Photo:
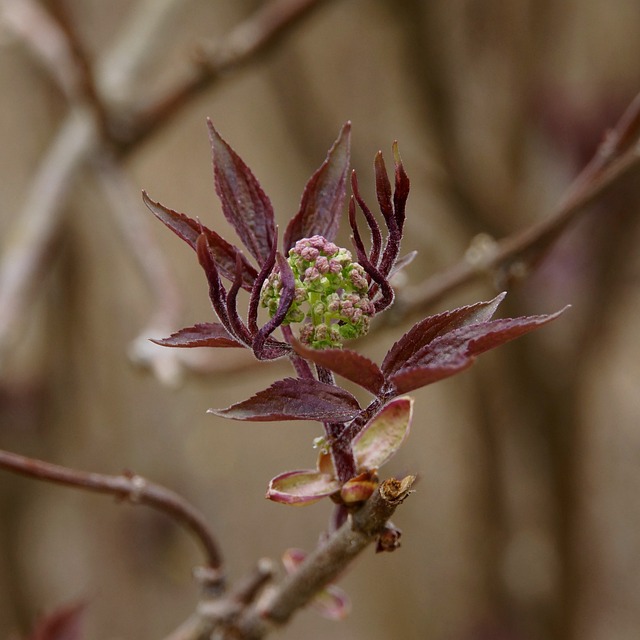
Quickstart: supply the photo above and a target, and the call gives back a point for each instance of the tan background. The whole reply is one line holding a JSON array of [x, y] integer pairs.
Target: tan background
[[525, 523]]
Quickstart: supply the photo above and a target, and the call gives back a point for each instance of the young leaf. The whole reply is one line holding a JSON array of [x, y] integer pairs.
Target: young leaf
[[301, 487], [360, 488], [433, 326], [295, 399], [226, 258], [346, 363], [401, 188], [323, 196], [411, 378], [456, 350], [182, 225], [244, 203], [189, 230], [384, 434], [208, 334]]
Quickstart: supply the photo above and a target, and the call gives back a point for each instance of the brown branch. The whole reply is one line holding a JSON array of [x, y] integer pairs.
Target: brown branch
[[31, 22], [36, 225], [515, 256], [32, 237], [78, 139], [326, 563], [135, 227], [264, 29], [130, 487], [250, 612]]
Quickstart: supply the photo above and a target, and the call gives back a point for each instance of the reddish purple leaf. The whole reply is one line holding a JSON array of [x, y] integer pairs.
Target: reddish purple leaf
[[401, 189], [209, 334], [182, 225], [456, 350], [383, 435], [346, 363], [226, 257], [295, 399], [189, 230], [431, 327], [323, 197], [62, 624], [244, 203], [383, 189], [411, 378]]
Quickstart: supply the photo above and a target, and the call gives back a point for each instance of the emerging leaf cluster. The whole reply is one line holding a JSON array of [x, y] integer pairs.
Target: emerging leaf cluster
[[333, 297]]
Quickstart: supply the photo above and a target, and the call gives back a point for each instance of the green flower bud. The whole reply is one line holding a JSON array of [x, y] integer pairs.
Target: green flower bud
[[330, 294]]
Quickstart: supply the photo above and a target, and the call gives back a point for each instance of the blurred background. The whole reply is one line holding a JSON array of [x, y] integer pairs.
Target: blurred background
[[525, 523]]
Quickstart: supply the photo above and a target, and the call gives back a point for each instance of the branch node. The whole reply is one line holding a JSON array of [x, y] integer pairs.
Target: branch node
[[395, 491], [138, 487]]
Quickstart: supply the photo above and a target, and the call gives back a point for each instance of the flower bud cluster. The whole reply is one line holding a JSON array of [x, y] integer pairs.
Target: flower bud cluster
[[330, 293]]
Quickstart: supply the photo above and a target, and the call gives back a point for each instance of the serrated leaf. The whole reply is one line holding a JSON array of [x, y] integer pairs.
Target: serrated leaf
[[346, 363], [411, 378], [244, 203], [381, 438], [323, 196], [474, 339], [226, 257], [208, 334], [182, 225], [450, 353], [433, 326], [223, 252], [295, 399], [301, 487]]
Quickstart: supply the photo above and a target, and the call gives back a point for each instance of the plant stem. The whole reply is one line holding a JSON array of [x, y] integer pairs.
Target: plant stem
[[133, 488], [326, 563]]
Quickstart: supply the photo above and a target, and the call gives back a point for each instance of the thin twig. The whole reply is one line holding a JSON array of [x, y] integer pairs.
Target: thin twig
[[516, 255], [36, 225], [31, 240], [195, 627], [31, 22], [78, 139], [124, 202], [265, 28], [327, 562], [130, 487]]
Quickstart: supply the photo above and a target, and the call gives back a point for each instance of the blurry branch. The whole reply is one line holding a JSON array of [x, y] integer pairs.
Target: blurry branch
[[221, 611], [32, 238], [217, 59], [248, 609], [123, 200], [327, 562], [516, 256], [82, 135], [254, 608], [49, 42], [130, 487]]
